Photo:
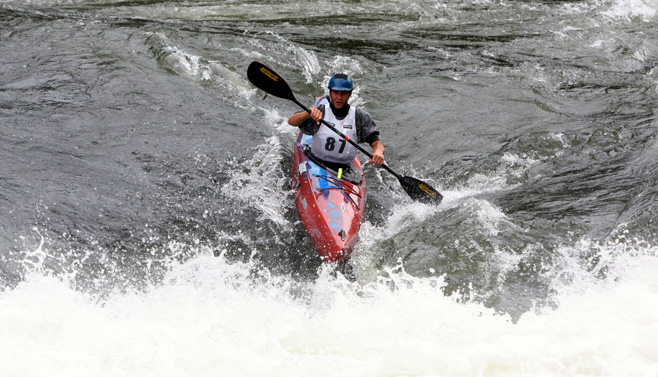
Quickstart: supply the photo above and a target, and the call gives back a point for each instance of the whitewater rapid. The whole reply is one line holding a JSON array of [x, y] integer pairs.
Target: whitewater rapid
[[210, 318]]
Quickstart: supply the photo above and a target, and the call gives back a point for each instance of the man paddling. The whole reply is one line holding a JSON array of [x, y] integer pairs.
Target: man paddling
[[354, 123], [271, 82]]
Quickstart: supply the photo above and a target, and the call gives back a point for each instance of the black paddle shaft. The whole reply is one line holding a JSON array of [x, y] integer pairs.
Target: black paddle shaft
[[270, 82]]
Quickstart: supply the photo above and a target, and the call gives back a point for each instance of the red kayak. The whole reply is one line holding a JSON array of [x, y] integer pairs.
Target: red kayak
[[331, 205]]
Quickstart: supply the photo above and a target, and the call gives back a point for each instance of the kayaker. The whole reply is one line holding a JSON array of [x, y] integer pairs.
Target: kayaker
[[351, 121]]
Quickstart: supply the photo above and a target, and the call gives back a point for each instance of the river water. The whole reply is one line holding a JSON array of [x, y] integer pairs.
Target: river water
[[148, 226]]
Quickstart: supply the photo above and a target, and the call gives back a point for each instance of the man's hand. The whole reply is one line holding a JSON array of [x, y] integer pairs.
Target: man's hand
[[316, 115], [377, 153]]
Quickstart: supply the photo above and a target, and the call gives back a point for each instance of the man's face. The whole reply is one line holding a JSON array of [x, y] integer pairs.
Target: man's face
[[339, 98]]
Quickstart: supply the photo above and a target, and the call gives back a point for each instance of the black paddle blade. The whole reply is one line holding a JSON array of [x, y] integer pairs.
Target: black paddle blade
[[269, 81], [420, 191]]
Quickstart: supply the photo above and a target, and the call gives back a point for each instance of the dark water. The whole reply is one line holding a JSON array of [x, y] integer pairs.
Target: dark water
[[131, 138]]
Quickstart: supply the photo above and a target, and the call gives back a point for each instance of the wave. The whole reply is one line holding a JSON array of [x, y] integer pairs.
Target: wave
[[210, 317]]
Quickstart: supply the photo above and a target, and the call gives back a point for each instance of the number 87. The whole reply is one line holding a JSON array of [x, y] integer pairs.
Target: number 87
[[330, 145]]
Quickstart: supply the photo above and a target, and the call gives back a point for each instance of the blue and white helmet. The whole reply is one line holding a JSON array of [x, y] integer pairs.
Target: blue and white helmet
[[341, 82]]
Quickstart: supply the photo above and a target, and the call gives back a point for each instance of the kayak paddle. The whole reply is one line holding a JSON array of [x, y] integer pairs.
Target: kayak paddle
[[271, 82]]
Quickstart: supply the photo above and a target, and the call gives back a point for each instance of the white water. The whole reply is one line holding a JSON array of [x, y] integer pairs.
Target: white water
[[210, 319]]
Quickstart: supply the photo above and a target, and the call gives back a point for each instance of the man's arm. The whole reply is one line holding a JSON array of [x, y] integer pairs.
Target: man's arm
[[298, 119], [377, 153], [367, 132]]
